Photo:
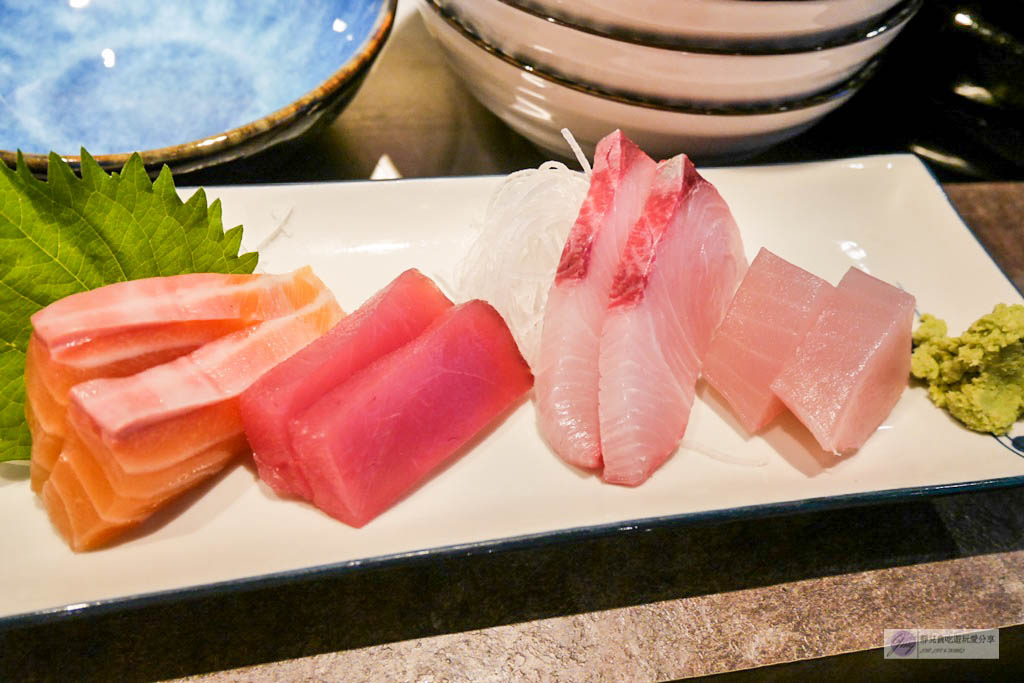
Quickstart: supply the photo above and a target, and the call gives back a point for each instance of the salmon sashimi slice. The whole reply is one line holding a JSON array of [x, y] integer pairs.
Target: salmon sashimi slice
[[566, 373], [46, 449], [146, 433], [131, 333], [682, 262], [775, 305], [155, 302], [850, 369], [76, 488], [373, 438], [390, 319]]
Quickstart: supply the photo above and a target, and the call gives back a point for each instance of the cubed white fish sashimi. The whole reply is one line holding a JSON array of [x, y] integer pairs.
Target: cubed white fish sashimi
[[775, 305]]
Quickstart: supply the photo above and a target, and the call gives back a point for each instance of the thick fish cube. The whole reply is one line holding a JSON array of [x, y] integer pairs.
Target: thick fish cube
[[390, 319], [848, 372], [372, 439], [775, 305]]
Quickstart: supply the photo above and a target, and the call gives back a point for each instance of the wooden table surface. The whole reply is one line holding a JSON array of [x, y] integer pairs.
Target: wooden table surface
[[652, 605]]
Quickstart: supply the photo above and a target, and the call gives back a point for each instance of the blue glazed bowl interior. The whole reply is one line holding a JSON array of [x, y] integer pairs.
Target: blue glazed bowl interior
[[117, 76]]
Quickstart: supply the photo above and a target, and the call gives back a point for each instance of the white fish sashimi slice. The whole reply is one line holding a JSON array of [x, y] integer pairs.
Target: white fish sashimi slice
[[567, 372], [682, 262]]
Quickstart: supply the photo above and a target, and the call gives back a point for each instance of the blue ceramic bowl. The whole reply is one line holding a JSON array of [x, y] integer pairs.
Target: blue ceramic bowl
[[189, 83]]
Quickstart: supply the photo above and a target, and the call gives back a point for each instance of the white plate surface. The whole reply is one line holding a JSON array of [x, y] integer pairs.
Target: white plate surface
[[885, 214]]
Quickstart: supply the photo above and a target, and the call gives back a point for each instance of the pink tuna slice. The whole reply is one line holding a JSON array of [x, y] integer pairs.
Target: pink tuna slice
[[566, 383], [848, 372], [775, 305], [390, 319], [373, 438], [682, 262]]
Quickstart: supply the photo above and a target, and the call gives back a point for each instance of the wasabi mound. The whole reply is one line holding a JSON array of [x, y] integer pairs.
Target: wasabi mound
[[979, 376]]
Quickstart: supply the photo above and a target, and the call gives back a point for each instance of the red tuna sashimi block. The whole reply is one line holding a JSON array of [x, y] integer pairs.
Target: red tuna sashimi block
[[134, 443], [848, 372], [775, 305], [126, 327], [566, 373], [372, 439], [681, 264], [390, 319]]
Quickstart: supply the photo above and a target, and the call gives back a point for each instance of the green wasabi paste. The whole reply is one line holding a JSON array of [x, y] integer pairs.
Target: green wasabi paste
[[979, 376]]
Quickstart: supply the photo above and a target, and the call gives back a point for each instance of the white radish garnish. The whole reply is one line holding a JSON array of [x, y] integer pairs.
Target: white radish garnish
[[512, 260]]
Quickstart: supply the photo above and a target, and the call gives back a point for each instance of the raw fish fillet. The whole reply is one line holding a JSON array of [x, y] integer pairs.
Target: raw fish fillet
[[682, 262], [133, 443], [373, 438], [126, 327], [566, 381], [76, 327], [848, 372], [775, 305], [390, 319]]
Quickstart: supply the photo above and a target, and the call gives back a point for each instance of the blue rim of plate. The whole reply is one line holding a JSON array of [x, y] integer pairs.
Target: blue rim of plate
[[538, 540], [251, 137], [866, 29], [836, 92]]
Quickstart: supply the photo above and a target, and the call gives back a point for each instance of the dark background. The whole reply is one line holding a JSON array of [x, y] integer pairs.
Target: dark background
[[951, 93]]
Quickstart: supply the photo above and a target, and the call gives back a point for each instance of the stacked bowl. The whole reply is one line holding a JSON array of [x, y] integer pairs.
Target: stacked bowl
[[718, 79]]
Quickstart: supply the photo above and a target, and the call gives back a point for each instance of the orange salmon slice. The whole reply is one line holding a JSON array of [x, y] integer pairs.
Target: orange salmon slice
[[135, 443], [127, 327]]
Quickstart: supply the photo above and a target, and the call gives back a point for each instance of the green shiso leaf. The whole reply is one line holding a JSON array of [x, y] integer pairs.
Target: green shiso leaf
[[69, 234]]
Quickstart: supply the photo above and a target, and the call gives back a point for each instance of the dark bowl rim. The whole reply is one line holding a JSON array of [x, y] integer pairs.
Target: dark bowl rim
[[208, 146], [867, 29], [842, 89]]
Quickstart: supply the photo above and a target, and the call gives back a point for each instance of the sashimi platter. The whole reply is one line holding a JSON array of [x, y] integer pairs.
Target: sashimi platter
[[372, 371]]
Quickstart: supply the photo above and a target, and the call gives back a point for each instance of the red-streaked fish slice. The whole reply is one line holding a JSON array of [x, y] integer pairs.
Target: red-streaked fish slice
[[372, 439], [850, 369], [775, 305], [682, 262], [567, 373], [390, 319], [157, 424]]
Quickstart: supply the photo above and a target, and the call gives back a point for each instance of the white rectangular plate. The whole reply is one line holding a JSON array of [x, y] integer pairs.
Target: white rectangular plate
[[885, 214]]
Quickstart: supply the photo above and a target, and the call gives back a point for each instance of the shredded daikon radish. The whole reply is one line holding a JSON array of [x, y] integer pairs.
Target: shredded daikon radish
[[577, 150], [752, 459], [512, 261]]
